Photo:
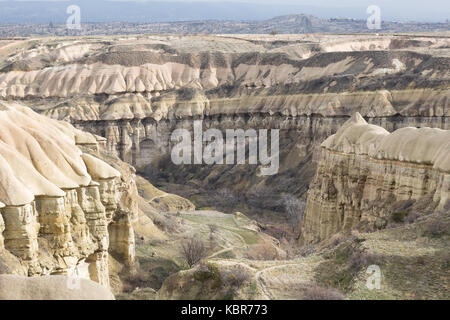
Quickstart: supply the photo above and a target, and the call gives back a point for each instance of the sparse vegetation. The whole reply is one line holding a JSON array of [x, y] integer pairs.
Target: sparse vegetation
[[295, 209], [225, 199], [343, 265], [263, 252], [137, 279], [437, 228], [236, 277], [399, 216], [315, 292], [264, 197], [307, 250], [212, 228], [193, 251]]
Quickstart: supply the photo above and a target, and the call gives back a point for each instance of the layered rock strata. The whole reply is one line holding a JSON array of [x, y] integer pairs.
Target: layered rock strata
[[60, 207], [135, 91], [364, 173]]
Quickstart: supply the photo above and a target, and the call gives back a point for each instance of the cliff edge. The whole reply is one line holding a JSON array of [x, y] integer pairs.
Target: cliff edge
[[367, 176], [63, 211]]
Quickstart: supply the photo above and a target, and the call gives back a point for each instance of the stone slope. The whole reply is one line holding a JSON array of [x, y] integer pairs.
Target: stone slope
[[62, 210], [366, 173]]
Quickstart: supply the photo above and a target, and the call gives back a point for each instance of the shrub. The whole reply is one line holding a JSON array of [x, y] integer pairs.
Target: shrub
[[193, 251], [307, 250], [236, 277], [225, 198], [263, 252], [359, 260], [212, 228], [263, 197], [398, 216], [165, 224], [135, 280], [412, 217], [212, 239], [337, 239], [315, 292], [294, 208], [446, 260], [437, 228]]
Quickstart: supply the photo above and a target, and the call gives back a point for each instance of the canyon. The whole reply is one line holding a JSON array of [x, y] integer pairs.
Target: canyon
[[86, 126], [135, 91]]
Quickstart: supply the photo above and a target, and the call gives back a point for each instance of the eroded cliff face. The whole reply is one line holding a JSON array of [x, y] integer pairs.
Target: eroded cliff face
[[62, 210], [136, 91], [365, 174]]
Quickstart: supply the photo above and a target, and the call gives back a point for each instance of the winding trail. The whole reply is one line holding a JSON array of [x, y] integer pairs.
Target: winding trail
[[261, 282]]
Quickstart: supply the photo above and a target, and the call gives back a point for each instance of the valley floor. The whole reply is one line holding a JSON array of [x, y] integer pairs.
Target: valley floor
[[245, 263]]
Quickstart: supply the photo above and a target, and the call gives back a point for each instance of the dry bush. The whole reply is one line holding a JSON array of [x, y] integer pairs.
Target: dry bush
[[446, 260], [339, 238], [279, 232], [263, 197], [294, 208], [135, 280], [360, 259], [225, 198], [290, 246], [212, 228], [412, 217], [258, 253], [263, 252], [315, 292], [236, 277], [399, 216], [437, 228], [193, 251], [166, 224], [307, 250]]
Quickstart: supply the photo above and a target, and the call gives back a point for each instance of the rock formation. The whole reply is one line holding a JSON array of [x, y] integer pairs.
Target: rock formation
[[62, 210], [135, 91], [365, 173]]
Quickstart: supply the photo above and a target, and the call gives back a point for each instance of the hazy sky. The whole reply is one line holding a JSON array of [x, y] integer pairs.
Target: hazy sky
[[400, 10], [393, 9]]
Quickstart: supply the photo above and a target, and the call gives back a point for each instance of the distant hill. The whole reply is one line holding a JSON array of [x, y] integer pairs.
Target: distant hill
[[286, 24]]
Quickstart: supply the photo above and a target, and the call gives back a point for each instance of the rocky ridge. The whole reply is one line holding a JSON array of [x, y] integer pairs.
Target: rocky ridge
[[366, 174], [63, 210], [136, 90]]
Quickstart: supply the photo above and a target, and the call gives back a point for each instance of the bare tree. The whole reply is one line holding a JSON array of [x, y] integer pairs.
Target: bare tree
[[193, 250], [294, 208], [225, 198], [212, 228], [263, 197]]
